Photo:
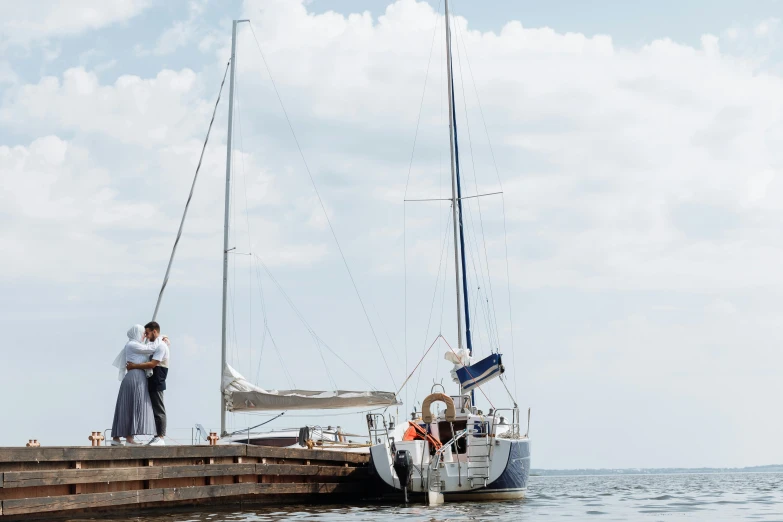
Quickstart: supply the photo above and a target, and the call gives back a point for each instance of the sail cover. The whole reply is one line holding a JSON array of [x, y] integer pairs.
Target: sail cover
[[478, 373], [241, 395]]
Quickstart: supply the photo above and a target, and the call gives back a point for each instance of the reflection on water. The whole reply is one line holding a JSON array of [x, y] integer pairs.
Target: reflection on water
[[713, 497]]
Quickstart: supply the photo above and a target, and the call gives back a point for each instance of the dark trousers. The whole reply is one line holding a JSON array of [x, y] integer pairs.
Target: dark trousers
[[159, 411]]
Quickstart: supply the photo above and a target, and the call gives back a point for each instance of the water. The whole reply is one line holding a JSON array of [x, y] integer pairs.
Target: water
[[696, 497]]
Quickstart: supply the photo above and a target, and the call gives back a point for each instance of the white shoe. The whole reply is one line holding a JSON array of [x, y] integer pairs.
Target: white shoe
[[115, 443], [134, 443], [157, 441]]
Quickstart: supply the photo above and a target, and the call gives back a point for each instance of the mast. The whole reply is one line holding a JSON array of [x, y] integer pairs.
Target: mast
[[454, 197], [456, 194], [226, 221]]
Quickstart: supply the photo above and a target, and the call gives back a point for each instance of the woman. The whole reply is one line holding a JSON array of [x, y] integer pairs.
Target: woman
[[133, 412]]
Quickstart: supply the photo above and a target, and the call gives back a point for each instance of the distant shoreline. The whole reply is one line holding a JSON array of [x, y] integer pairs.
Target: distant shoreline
[[772, 468]]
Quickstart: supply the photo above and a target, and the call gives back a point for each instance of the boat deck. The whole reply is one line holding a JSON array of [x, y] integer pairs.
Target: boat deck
[[51, 482]]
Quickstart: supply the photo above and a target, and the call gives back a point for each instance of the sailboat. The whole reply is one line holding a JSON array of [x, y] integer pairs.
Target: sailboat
[[239, 395], [458, 453]]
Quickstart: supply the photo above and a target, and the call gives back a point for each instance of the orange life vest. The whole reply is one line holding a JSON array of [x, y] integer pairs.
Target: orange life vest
[[417, 432]]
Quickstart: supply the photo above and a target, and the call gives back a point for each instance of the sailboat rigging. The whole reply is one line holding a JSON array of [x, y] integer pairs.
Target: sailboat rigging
[[237, 394], [456, 205], [226, 221], [459, 453]]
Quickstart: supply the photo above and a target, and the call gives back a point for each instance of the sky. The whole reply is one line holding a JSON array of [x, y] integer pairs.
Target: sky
[[629, 272]]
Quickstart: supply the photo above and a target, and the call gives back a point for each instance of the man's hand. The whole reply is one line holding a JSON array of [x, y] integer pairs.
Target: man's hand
[[141, 366]]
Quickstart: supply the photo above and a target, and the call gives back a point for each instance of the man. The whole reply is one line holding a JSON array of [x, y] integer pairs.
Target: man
[[156, 383]]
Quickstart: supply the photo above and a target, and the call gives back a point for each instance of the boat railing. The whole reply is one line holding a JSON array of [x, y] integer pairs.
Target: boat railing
[[320, 435], [316, 433], [377, 428], [514, 431], [462, 402], [439, 455], [450, 443]]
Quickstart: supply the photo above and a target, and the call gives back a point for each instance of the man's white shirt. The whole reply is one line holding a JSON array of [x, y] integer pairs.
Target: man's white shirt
[[162, 355]]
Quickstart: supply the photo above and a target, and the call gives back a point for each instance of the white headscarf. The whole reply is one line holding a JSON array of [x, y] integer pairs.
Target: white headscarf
[[136, 333]]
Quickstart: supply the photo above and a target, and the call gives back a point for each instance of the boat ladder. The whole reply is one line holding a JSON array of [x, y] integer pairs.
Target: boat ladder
[[479, 454], [478, 465], [434, 483]]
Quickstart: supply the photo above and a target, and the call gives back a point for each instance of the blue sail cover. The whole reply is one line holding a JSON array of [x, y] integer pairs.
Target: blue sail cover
[[480, 372]]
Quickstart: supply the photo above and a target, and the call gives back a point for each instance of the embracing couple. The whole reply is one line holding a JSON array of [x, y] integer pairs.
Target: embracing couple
[[143, 366]]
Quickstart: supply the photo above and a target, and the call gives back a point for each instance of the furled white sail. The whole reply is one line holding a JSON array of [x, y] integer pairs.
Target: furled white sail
[[241, 395]]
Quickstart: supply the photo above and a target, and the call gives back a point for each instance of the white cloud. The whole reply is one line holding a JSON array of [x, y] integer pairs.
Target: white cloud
[[55, 199], [7, 74], [176, 36], [60, 199], [129, 166], [158, 110], [25, 22], [710, 44], [766, 27], [183, 32]]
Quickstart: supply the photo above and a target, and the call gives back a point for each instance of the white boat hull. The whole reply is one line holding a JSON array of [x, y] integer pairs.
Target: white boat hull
[[506, 477]]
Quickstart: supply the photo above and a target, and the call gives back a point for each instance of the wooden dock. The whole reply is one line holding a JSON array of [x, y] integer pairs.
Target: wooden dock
[[50, 482]]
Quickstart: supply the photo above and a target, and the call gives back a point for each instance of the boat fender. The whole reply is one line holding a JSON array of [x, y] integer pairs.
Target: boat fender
[[403, 466]]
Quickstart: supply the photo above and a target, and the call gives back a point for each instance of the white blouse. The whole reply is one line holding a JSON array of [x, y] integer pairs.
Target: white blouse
[[139, 353]]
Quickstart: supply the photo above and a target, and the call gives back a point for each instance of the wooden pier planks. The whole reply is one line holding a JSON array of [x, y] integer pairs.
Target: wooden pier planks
[[130, 498], [24, 479], [68, 480], [59, 454]]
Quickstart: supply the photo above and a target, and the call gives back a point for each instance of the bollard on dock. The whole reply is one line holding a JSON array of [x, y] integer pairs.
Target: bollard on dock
[[96, 438]]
